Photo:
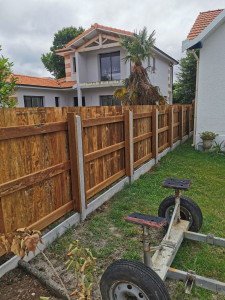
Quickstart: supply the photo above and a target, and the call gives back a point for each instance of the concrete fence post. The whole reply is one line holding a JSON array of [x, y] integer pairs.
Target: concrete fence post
[[81, 168], [77, 165]]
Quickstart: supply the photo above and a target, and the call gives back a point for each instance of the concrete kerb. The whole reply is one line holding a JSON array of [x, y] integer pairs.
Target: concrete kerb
[[59, 230]]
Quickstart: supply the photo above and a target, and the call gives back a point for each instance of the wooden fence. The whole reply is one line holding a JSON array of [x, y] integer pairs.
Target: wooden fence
[[40, 166]]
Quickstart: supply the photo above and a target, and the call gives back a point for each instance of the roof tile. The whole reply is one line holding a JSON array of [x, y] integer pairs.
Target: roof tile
[[43, 82], [202, 21]]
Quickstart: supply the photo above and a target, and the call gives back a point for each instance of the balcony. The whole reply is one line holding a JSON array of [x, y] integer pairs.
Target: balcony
[[100, 84]]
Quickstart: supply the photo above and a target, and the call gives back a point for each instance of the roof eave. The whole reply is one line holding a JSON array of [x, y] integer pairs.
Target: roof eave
[[166, 56], [160, 52], [42, 87], [99, 28], [191, 44]]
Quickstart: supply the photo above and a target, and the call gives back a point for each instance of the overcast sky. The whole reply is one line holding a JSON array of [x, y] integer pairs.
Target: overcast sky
[[27, 27]]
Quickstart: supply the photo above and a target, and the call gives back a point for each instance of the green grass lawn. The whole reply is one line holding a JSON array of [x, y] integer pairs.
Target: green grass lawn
[[111, 238]]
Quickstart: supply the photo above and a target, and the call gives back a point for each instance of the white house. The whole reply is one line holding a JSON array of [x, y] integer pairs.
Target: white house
[[94, 68], [44, 92], [208, 34]]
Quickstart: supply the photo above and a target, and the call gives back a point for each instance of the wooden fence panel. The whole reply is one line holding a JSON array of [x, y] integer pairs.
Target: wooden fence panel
[[35, 187], [103, 146], [36, 182]]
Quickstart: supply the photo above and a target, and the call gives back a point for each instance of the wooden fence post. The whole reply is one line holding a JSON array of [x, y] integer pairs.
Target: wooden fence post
[[129, 145], [171, 126], [77, 164], [181, 122], [155, 135]]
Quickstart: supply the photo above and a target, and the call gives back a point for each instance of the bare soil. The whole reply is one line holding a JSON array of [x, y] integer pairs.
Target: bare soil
[[18, 285]]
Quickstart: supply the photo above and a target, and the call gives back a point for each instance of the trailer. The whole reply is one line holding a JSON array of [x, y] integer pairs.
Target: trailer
[[133, 280]]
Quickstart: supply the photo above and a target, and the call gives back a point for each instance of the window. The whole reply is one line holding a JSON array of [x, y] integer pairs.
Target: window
[[75, 99], [33, 101], [74, 65], [56, 101], [153, 65], [110, 66], [108, 100]]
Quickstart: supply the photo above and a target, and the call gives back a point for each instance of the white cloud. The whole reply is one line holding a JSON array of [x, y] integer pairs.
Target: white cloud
[[27, 27]]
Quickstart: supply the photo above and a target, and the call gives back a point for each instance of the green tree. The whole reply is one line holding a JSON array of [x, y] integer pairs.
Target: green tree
[[55, 63], [138, 89], [7, 83], [184, 89]]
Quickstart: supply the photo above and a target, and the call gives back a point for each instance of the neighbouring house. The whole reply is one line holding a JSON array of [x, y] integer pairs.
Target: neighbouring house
[[208, 34], [94, 68], [44, 92]]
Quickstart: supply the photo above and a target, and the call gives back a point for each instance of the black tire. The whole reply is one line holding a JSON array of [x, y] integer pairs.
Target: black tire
[[189, 211], [130, 279]]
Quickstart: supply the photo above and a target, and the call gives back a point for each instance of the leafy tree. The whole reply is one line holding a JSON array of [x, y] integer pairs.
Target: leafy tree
[[7, 83], [138, 89], [184, 89], [55, 63]]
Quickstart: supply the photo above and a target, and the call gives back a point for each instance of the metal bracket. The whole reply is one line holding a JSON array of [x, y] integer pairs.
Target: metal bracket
[[210, 239], [152, 249], [190, 281], [168, 244]]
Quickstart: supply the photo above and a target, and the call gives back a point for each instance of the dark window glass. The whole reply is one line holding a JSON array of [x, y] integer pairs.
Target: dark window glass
[[83, 101], [115, 65], [108, 100], [57, 101], [110, 66], [74, 65], [75, 100], [33, 101], [105, 67], [153, 65]]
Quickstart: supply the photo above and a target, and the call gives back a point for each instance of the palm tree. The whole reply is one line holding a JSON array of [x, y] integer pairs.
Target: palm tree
[[138, 89]]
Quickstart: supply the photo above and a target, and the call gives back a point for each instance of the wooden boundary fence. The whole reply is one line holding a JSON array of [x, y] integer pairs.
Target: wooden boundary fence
[[55, 159]]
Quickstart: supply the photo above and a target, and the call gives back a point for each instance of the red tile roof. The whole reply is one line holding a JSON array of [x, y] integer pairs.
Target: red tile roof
[[202, 21], [67, 84], [43, 82], [97, 26], [59, 50]]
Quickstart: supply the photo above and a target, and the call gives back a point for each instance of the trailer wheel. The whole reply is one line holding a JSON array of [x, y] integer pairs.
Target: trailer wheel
[[132, 280], [189, 211]]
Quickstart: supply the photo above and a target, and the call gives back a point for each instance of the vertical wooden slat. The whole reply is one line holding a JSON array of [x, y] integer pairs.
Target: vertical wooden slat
[[181, 122], [170, 127], [155, 133], [189, 119], [128, 127], [75, 176], [2, 225]]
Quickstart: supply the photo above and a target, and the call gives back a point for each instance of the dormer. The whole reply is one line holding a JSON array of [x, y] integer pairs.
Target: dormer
[[95, 38]]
